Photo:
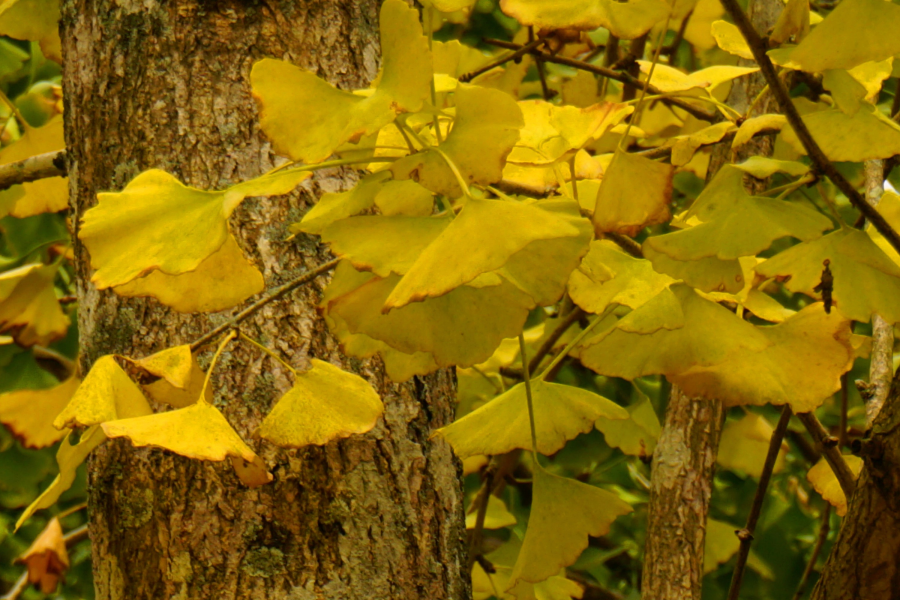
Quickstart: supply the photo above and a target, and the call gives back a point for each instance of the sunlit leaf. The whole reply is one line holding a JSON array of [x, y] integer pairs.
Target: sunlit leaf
[[706, 274], [826, 483], [670, 79], [326, 403], [561, 412], [106, 394], [496, 516], [337, 206], [623, 208], [44, 195], [745, 443], [331, 116], [626, 20], [684, 146], [865, 135], [754, 125], [730, 39], [404, 198], [47, 559], [29, 309], [763, 167], [29, 414], [180, 377], [198, 431], [793, 22], [564, 513]]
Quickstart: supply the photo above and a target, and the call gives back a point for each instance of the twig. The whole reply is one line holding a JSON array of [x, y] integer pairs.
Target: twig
[[611, 74], [481, 501], [829, 447], [70, 539], [806, 449], [679, 36], [625, 243], [40, 166], [745, 535], [571, 318], [817, 549], [665, 152], [635, 53], [842, 434], [274, 294], [519, 53], [823, 165]]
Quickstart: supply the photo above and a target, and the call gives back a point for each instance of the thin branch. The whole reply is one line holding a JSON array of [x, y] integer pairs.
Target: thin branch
[[70, 539], [33, 168], [745, 535], [679, 36], [273, 294], [572, 317], [829, 446], [625, 243], [817, 549], [759, 48], [611, 74], [519, 53], [481, 501], [665, 152]]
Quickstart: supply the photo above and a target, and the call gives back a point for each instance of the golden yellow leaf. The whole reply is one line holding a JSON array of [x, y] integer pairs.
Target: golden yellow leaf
[[198, 431], [792, 23], [706, 274], [730, 39], [404, 198], [44, 195], [325, 403], [106, 394], [626, 20], [337, 206], [744, 446], [331, 116], [684, 146], [754, 125], [561, 412], [47, 559], [29, 414], [496, 516], [824, 481], [697, 31], [29, 309], [670, 79], [564, 513], [623, 208], [180, 377], [763, 167], [872, 75]]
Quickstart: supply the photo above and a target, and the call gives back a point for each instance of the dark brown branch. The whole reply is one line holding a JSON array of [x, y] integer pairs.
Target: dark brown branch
[[519, 53], [817, 549], [679, 36], [40, 166], [609, 73], [273, 294], [665, 152], [745, 535], [570, 319], [830, 447], [806, 449], [759, 48], [625, 243]]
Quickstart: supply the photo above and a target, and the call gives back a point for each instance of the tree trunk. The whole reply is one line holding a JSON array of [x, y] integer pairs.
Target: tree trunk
[[865, 560], [165, 85]]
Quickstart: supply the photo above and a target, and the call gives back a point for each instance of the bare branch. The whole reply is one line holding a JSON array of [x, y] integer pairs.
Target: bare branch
[[831, 449], [41, 166]]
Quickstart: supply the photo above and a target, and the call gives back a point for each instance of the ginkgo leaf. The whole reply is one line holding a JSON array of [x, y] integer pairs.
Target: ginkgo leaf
[[29, 413], [106, 394], [47, 559], [826, 483], [864, 135], [731, 40], [623, 208], [889, 207], [754, 125], [856, 263], [481, 114], [496, 516], [763, 167], [224, 278], [462, 327], [325, 403], [44, 195], [180, 377], [68, 457], [404, 198], [432, 275], [331, 116], [626, 20], [155, 208], [334, 207], [855, 32], [793, 22], [846, 92], [607, 275], [561, 412], [707, 274], [670, 79], [871, 75], [564, 513], [557, 587], [684, 146], [745, 443], [29, 309], [637, 434], [198, 431], [36, 20]]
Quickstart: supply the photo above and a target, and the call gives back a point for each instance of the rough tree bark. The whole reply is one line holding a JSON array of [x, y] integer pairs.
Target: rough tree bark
[[153, 84]]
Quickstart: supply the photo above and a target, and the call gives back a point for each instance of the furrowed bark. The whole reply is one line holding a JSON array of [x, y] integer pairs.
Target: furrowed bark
[[165, 85]]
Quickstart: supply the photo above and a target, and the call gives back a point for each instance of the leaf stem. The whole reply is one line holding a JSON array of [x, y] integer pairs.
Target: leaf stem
[[340, 162], [520, 52], [529, 398], [565, 352], [459, 178], [243, 336], [212, 365], [273, 294], [745, 535], [14, 110]]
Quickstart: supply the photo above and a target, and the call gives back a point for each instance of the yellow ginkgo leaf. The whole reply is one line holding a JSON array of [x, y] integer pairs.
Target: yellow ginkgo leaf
[[481, 114], [326, 403], [872, 75], [824, 481], [856, 263], [331, 116], [404, 198], [29, 413], [636, 435], [561, 412], [36, 20], [564, 513], [684, 146], [607, 275], [198, 431], [889, 207], [707, 274], [47, 559], [792, 23], [29, 309], [669, 79], [337, 206], [744, 446], [180, 377], [462, 327], [557, 587], [475, 227], [864, 135], [44, 195], [623, 208], [626, 20], [154, 208], [855, 32], [763, 167], [68, 457], [699, 22], [496, 517], [106, 394], [846, 91], [731, 40], [754, 125]]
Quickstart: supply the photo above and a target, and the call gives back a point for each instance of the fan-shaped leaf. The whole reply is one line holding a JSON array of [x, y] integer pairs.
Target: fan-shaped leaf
[[106, 394], [44, 195], [29, 414], [626, 20], [29, 309], [622, 207], [826, 483]]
